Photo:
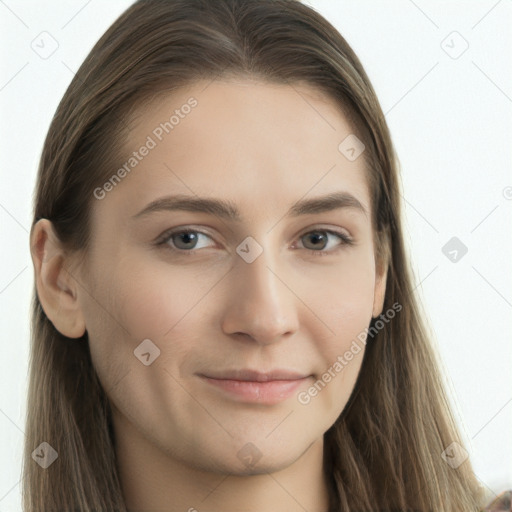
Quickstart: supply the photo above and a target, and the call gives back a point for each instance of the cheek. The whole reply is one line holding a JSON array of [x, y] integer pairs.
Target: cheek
[[154, 299], [342, 296], [150, 299], [139, 302], [342, 355], [132, 302], [346, 308]]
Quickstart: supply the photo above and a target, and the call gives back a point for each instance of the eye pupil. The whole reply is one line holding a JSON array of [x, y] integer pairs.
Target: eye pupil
[[316, 235], [188, 236]]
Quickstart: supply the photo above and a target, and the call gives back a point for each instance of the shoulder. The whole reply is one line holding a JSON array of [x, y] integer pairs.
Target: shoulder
[[502, 503]]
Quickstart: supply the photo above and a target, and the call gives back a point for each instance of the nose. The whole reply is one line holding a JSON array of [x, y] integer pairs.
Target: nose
[[261, 305]]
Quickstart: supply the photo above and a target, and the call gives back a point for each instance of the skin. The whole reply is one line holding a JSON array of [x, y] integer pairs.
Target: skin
[[262, 146]]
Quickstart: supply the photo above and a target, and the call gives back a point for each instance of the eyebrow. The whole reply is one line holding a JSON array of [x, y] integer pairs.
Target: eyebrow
[[229, 211]]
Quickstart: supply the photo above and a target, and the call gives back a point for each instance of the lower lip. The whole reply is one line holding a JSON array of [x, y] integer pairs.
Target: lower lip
[[271, 392]]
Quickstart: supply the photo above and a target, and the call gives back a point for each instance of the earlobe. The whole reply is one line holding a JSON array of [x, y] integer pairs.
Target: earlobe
[[56, 287]]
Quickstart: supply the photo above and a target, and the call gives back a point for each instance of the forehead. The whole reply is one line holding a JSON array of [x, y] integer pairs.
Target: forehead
[[253, 143]]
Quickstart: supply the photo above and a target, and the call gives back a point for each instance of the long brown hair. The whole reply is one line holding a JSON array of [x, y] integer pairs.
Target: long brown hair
[[384, 451]]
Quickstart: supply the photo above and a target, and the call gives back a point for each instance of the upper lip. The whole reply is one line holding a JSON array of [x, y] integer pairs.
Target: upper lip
[[255, 376]]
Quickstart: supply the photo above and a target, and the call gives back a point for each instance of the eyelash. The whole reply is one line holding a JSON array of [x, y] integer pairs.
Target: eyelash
[[345, 241]]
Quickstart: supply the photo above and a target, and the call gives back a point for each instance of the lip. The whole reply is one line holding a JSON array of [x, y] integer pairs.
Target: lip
[[256, 387], [247, 374]]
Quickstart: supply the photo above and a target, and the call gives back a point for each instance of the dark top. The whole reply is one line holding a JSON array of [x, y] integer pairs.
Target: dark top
[[502, 503]]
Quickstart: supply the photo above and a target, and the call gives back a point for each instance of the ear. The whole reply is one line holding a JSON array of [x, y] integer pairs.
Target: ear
[[379, 291], [56, 287], [382, 260]]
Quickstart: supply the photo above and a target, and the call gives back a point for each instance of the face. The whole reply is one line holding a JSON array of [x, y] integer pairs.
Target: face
[[183, 327]]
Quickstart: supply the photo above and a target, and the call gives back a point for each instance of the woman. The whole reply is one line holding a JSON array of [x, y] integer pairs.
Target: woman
[[244, 372]]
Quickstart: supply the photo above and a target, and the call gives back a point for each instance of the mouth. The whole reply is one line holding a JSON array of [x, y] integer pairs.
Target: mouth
[[251, 386]]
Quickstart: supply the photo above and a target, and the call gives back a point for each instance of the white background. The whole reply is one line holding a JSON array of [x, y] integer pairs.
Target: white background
[[451, 123]]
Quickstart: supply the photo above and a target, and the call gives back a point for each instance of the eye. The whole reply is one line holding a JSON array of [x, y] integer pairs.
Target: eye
[[184, 240], [320, 236]]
